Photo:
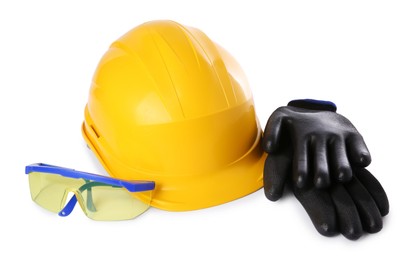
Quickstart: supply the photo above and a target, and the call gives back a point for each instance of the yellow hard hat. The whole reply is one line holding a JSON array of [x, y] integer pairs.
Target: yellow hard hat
[[169, 105]]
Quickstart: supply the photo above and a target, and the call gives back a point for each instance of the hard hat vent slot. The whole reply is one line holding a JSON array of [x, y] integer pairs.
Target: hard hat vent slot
[[94, 130]]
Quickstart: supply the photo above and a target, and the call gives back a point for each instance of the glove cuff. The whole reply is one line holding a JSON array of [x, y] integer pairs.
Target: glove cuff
[[313, 104]]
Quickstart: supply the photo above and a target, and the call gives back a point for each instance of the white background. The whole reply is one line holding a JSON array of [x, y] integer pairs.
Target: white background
[[363, 55]]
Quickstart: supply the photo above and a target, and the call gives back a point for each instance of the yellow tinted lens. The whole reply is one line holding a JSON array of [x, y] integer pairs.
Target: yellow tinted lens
[[113, 203], [49, 190]]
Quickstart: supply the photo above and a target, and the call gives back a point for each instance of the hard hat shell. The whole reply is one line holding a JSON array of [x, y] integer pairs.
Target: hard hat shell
[[169, 105]]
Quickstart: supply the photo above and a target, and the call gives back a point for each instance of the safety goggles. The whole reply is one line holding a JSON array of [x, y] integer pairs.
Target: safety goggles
[[100, 197]]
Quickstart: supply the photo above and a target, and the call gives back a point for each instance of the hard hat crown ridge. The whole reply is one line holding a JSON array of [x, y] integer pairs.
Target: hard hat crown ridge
[[185, 68]]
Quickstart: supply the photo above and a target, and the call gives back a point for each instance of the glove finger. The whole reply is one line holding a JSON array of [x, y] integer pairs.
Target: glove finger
[[276, 171], [319, 206], [319, 150], [300, 164], [375, 189], [340, 165], [358, 151], [273, 132], [348, 217], [366, 206]]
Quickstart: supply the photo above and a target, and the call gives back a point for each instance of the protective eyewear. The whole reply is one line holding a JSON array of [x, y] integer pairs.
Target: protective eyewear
[[100, 197]]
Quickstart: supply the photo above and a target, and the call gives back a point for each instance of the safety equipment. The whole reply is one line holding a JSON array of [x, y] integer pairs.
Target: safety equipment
[[324, 143], [169, 105], [100, 197], [350, 208], [352, 201]]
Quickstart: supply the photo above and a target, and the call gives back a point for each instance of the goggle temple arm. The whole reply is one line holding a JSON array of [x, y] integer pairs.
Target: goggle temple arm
[[69, 207], [72, 202]]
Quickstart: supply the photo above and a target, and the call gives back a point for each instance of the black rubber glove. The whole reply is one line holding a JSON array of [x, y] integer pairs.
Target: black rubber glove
[[324, 143], [349, 208]]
